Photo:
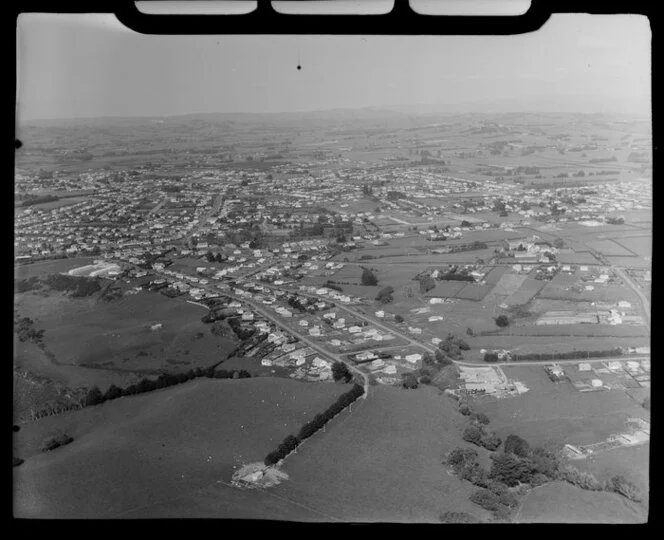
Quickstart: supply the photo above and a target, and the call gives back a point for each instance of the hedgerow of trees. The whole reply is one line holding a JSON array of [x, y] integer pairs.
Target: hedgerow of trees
[[96, 397], [291, 442]]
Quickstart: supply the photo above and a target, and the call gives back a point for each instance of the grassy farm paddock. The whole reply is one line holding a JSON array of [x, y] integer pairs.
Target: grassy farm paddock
[[560, 502], [135, 456], [556, 413], [117, 334], [383, 461]]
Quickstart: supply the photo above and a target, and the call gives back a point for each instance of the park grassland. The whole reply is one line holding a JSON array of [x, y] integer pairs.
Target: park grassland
[[138, 456]]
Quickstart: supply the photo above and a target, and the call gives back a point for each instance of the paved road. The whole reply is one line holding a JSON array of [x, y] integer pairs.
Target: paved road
[[476, 364], [314, 345], [275, 320], [372, 321], [321, 350]]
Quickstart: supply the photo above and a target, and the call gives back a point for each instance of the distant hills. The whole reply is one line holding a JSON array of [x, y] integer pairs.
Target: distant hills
[[559, 105]]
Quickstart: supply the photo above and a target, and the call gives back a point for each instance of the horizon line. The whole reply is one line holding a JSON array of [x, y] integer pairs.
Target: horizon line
[[384, 108]]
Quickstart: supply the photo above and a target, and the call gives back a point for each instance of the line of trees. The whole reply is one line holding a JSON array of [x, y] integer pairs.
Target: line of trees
[[96, 397], [291, 442], [40, 200], [570, 355]]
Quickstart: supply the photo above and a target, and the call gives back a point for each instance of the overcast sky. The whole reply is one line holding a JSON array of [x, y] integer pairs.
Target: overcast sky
[[91, 65]]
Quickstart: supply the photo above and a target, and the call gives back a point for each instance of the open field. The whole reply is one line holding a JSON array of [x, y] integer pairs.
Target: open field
[[509, 284], [556, 413], [609, 247], [576, 257], [131, 457], [559, 288], [630, 262], [550, 344], [390, 449], [412, 257], [475, 292], [631, 462], [528, 290], [117, 334], [51, 205], [575, 330], [30, 357], [446, 289], [44, 268], [560, 502]]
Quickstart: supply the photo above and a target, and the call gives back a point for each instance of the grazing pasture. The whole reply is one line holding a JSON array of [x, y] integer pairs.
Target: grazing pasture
[[383, 461], [118, 335], [560, 502], [135, 456]]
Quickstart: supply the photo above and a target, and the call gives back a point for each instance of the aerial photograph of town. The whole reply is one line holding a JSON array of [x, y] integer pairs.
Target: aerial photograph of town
[[328, 279]]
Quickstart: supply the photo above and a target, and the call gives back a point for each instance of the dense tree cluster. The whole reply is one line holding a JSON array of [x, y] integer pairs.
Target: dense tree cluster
[[476, 434], [458, 517], [518, 446], [502, 321], [384, 296], [453, 346], [78, 286], [243, 332], [453, 275], [340, 372], [615, 221], [39, 200], [477, 418], [620, 485], [29, 284], [25, 329], [368, 278], [409, 381], [291, 442], [426, 284], [498, 504]]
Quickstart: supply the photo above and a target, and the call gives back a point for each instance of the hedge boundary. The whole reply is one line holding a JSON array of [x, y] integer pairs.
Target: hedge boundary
[[291, 442]]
